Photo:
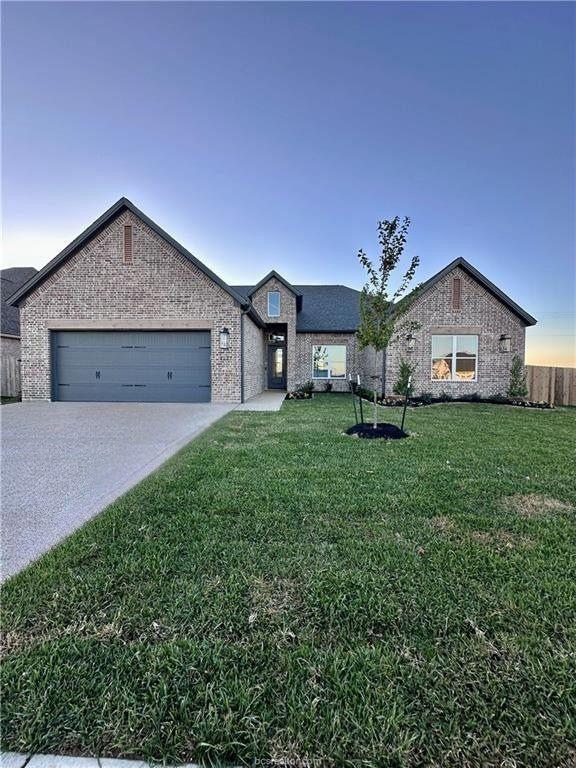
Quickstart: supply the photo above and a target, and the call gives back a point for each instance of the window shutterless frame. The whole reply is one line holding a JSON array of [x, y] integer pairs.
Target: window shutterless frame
[[273, 303], [329, 363], [451, 359]]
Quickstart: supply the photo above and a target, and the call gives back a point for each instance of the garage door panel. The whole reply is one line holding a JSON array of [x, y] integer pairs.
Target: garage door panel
[[132, 366], [128, 354]]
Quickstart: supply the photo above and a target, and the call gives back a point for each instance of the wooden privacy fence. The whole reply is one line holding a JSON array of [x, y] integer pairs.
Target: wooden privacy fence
[[556, 386], [10, 377]]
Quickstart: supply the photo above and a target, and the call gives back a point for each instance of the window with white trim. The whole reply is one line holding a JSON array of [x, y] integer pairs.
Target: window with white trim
[[329, 361], [454, 358], [273, 303]]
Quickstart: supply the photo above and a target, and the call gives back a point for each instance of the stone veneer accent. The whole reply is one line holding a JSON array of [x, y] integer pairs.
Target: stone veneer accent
[[287, 316], [160, 288], [481, 314], [254, 356]]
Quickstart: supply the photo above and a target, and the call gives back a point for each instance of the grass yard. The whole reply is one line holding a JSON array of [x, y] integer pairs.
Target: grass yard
[[281, 590], [9, 400]]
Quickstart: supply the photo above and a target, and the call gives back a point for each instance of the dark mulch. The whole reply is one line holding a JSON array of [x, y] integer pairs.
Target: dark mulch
[[383, 430]]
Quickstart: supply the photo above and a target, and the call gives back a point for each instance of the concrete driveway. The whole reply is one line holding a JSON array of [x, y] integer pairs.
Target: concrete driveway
[[62, 463]]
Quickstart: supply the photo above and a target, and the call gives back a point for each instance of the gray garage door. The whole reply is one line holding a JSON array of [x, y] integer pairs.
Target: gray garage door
[[131, 366]]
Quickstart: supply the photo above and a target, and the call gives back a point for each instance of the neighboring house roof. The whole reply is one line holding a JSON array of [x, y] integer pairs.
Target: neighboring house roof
[[325, 308], [490, 287], [103, 221], [11, 280]]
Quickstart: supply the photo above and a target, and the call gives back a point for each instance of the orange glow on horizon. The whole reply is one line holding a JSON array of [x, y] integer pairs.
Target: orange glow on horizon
[[559, 351]]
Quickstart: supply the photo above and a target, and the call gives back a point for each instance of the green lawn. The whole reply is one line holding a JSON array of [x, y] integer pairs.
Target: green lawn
[[9, 400], [281, 590]]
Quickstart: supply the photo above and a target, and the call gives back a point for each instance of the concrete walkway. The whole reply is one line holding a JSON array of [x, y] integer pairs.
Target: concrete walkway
[[269, 400], [62, 463], [18, 760]]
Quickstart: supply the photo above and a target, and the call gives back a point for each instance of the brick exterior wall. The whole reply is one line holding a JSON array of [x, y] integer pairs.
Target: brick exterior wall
[[159, 288], [370, 364], [254, 352], [287, 316], [304, 344], [480, 314]]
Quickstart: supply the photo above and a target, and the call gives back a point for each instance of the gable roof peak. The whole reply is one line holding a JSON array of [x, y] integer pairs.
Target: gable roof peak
[[275, 275], [483, 280], [102, 221]]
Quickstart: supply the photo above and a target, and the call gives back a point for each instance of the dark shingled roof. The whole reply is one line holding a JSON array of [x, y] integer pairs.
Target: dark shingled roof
[[10, 281], [336, 308], [325, 308]]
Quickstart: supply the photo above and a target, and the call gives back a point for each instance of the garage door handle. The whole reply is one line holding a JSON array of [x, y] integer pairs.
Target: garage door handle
[[97, 374], [169, 375]]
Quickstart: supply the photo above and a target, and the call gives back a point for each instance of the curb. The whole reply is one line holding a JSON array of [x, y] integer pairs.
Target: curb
[[20, 760]]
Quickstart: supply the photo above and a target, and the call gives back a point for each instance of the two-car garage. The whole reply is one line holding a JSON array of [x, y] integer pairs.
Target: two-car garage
[[131, 366]]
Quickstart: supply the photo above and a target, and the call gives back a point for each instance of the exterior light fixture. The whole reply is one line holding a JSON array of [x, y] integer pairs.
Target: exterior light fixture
[[410, 342], [504, 343], [224, 338]]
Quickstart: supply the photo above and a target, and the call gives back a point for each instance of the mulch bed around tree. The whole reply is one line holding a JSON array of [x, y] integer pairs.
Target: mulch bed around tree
[[383, 430]]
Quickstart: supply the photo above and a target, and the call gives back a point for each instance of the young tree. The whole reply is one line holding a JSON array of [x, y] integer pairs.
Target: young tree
[[405, 372], [517, 386], [380, 308]]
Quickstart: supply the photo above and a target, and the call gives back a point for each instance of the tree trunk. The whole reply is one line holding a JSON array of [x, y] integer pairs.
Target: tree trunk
[[375, 410]]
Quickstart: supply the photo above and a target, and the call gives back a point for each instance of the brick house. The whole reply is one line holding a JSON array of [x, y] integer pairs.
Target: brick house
[[125, 313]]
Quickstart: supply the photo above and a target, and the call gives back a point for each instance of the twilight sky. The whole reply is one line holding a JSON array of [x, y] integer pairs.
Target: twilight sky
[[274, 135]]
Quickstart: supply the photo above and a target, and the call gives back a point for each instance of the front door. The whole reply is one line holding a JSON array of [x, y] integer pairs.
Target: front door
[[276, 366]]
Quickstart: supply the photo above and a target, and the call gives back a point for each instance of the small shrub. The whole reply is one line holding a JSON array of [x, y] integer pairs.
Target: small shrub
[[406, 370], [426, 398], [328, 386], [473, 397], [445, 396], [517, 386], [366, 394], [299, 395], [499, 398], [307, 388]]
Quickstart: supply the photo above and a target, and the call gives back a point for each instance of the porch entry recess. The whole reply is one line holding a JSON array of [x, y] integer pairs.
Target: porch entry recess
[[276, 358]]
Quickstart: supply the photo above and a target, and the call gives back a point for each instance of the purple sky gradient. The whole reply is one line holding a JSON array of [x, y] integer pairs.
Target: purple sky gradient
[[273, 135]]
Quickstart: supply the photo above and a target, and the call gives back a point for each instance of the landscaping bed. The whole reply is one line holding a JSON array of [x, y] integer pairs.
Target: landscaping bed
[[381, 430], [427, 398], [279, 591]]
